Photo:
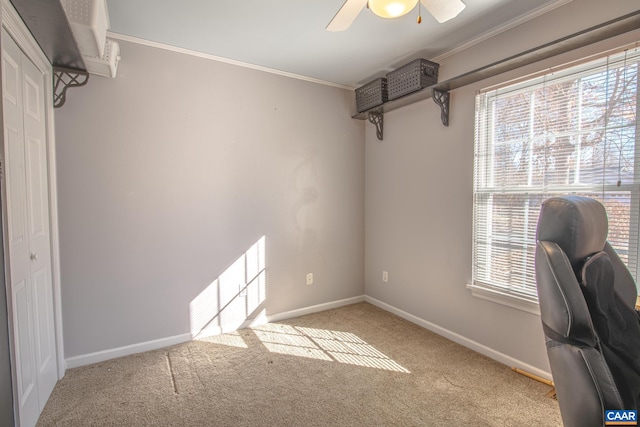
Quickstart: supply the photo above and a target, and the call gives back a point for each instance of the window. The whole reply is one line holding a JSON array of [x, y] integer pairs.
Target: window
[[573, 131]]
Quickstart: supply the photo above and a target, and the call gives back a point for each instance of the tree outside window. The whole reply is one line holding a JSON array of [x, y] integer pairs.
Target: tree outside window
[[569, 132]]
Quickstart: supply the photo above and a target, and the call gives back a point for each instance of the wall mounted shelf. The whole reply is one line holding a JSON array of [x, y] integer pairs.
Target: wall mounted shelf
[[615, 27]]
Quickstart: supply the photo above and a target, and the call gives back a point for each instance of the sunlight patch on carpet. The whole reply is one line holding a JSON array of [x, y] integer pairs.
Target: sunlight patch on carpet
[[323, 344], [231, 339], [292, 350]]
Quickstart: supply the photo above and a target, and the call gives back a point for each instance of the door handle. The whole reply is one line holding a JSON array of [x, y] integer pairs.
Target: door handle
[[34, 257]]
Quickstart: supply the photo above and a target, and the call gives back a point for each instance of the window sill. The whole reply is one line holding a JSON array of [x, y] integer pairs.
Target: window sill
[[505, 299]]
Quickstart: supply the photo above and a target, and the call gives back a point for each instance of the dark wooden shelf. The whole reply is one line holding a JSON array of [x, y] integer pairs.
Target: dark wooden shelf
[[589, 36]]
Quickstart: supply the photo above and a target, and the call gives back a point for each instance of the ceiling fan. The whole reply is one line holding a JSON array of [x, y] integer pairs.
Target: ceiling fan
[[442, 10]]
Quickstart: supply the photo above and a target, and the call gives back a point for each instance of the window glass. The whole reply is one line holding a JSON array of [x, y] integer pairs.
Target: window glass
[[573, 131]]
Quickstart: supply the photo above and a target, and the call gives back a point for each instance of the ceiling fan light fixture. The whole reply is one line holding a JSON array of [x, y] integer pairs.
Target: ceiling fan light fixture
[[391, 8]]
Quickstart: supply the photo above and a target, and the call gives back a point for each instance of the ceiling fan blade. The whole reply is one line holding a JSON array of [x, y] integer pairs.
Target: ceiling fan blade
[[444, 10], [346, 15]]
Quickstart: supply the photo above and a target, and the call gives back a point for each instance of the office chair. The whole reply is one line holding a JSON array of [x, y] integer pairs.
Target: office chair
[[587, 307]]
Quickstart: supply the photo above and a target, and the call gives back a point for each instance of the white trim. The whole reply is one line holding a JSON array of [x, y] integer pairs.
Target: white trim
[[210, 57], [263, 318], [504, 298], [314, 309], [477, 40], [54, 227], [457, 338], [101, 356], [502, 28]]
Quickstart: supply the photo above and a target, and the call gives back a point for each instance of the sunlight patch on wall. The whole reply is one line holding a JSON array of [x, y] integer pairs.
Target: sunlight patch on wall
[[323, 344], [233, 297]]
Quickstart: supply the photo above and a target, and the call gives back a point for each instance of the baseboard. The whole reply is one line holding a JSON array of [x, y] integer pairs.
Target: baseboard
[[263, 318], [101, 356], [314, 309], [457, 338]]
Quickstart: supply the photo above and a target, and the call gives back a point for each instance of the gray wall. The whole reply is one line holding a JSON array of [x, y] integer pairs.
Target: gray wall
[[419, 188], [168, 173], [171, 171]]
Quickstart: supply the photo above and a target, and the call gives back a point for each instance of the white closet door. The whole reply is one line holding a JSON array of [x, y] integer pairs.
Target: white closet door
[[28, 222], [35, 137], [20, 281]]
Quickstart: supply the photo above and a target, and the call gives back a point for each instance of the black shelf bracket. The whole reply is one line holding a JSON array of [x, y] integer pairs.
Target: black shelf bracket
[[63, 79], [441, 97], [378, 120]]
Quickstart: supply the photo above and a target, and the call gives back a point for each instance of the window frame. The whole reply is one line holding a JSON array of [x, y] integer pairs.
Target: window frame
[[527, 301]]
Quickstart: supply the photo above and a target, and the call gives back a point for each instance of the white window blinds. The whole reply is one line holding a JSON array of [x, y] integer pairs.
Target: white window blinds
[[573, 131]]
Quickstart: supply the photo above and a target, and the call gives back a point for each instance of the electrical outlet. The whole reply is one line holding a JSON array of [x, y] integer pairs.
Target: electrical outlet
[[385, 276], [309, 278]]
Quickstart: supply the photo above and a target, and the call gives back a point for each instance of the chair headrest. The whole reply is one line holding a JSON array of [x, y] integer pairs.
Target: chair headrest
[[577, 224], [570, 229]]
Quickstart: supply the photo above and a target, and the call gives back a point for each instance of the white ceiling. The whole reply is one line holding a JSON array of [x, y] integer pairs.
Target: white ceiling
[[290, 35]]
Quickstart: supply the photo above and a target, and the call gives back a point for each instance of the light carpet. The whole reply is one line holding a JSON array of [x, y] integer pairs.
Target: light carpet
[[356, 365]]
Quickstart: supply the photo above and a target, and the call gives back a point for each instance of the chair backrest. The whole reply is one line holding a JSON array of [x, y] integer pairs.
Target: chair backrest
[[587, 299]]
